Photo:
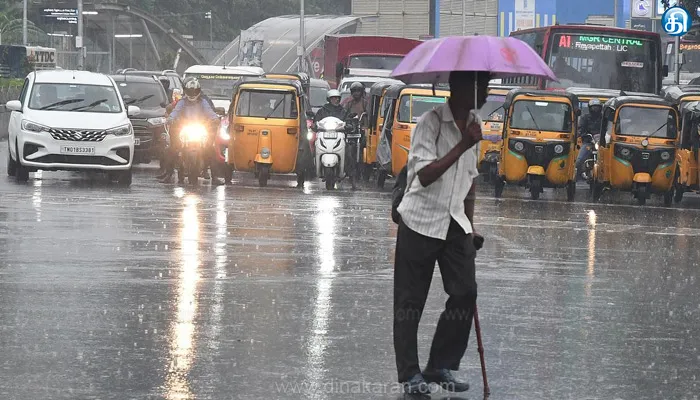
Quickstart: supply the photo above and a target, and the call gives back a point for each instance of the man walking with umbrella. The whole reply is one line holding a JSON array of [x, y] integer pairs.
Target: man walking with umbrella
[[437, 208], [437, 213]]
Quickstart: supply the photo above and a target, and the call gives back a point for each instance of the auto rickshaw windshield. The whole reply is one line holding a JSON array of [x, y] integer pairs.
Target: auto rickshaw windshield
[[541, 115], [492, 110], [412, 107], [270, 104], [646, 121]]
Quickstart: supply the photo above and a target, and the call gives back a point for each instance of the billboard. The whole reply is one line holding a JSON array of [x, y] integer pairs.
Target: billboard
[[524, 14]]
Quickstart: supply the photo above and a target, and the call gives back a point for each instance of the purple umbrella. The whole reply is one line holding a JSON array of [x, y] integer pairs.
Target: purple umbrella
[[433, 60]]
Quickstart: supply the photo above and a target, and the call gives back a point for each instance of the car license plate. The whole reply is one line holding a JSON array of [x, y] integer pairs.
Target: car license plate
[[78, 150], [137, 142]]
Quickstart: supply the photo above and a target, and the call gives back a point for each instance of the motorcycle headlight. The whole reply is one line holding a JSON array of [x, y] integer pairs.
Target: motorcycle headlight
[[33, 127], [519, 146], [665, 155], [596, 146], [310, 136], [123, 130], [558, 149], [265, 152], [193, 133], [156, 121]]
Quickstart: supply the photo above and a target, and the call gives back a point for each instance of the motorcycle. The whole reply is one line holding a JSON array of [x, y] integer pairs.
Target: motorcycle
[[333, 138], [223, 139], [353, 149], [194, 144], [586, 167]]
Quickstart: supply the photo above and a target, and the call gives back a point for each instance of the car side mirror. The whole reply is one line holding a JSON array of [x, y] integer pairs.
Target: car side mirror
[[133, 111], [14, 105], [220, 110], [664, 71]]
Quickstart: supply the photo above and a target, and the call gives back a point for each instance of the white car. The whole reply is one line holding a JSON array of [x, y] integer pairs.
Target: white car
[[70, 120]]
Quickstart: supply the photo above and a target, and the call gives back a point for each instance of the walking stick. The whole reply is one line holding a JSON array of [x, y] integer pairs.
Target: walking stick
[[477, 328]]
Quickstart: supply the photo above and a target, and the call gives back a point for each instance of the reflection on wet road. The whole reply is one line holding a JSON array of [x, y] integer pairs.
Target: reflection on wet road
[[243, 292]]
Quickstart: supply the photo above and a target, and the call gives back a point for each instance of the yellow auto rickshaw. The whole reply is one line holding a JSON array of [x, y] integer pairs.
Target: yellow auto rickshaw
[[637, 148], [405, 105], [539, 147], [491, 114], [267, 127], [376, 123]]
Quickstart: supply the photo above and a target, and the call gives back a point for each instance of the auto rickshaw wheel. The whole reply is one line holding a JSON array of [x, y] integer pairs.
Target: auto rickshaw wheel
[[535, 189], [595, 190], [679, 189], [228, 173], [263, 175], [493, 172], [571, 191], [668, 198], [499, 185], [642, 192], [366, 172]]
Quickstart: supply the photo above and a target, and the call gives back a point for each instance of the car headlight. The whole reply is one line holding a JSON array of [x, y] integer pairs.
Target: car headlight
[[33, 127], [519, 146], [265, 152], [665, 155], [558, 149], [156, 121], [193, 133], [123, 130]]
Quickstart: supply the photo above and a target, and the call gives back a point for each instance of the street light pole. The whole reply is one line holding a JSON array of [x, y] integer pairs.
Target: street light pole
[[24, 23], [464, 17], [211, 29], [80, 42], [302, 46]]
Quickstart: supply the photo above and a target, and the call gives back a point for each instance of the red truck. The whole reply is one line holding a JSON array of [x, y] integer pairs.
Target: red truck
[[344, 53]]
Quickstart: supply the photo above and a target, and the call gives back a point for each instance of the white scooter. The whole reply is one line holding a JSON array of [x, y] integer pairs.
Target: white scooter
[[330, 151]]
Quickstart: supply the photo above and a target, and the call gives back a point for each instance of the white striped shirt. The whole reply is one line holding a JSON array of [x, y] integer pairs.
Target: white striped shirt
[[428, 210]]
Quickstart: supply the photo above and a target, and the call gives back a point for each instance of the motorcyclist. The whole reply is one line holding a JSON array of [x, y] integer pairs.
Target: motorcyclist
[[589, 124], [332, 108], [357, 102], [192, 106]]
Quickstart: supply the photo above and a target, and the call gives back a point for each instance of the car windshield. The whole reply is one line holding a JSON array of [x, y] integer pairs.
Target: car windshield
[[375, 62], [412, 107], [541, 115], [492, 110], [217, 86], [601, 61], [318, 96], [75, 97], [142, 94], [271, 104], [647, 121]]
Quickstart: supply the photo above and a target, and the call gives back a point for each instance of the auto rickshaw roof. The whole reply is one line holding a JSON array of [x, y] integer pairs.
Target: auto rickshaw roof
[[378, 87], [616, 102], [269, 82], [676, 93], [693, 107], [540, 93], [394, 91], [593, 92], [301, 76]]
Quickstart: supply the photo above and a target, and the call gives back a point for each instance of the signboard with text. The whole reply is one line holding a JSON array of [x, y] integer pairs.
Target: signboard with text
[[68, 15], [599, 43]]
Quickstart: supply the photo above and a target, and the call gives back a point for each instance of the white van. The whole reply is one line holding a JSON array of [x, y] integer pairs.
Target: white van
[[70, 120], [217, 81]]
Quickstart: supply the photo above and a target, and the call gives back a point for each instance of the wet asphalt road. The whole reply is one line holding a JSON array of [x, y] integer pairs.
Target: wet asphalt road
[[240, 292]]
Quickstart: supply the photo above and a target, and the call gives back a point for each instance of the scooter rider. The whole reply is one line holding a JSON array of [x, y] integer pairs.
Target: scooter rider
[[192, 106], [332, 108], [589, 124], [357, 102]]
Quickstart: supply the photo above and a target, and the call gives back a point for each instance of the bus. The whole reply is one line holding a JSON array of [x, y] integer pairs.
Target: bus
[[690, 69], [218, 81], [595, 56]]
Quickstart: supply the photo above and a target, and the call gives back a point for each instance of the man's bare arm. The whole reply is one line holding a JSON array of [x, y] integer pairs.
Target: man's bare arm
[[469, 203]]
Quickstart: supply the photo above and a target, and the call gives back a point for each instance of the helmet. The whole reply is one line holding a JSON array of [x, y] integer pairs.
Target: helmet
[[594, 103], [177, 94], [332, 93], [357, 86], [192, 89]]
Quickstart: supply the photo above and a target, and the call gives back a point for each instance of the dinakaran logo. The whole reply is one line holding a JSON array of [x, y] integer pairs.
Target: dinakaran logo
[[676, 21]]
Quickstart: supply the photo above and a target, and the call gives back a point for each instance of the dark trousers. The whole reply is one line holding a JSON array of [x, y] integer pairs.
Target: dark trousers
[[413, 271]]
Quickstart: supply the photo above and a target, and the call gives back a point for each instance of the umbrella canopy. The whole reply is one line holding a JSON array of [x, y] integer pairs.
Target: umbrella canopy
[[433, 60]]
